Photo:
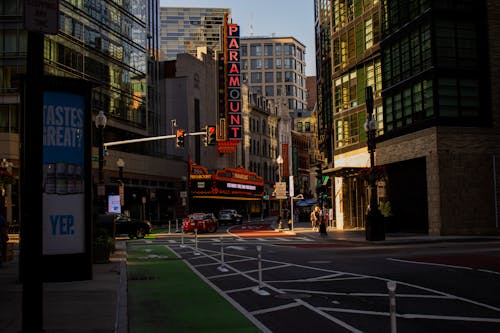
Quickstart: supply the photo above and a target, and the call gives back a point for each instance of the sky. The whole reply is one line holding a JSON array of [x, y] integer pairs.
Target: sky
[[267, 17]]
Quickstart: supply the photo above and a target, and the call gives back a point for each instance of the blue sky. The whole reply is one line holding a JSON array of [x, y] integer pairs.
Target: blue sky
[[267, 18]]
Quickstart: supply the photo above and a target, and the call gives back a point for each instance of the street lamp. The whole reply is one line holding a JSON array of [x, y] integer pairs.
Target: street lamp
[[120, 163], [100, 123], [279, 160], [374, 220]]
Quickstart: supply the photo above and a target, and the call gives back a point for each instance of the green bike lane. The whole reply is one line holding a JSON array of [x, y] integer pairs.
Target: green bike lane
[[165, 295]]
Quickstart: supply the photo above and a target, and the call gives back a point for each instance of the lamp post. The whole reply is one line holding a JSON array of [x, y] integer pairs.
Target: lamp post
[[100, 123], [120, 163], [279, 160], [374, 220]]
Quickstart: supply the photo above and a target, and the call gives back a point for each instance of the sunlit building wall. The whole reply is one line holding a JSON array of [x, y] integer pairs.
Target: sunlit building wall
[[183, 30]]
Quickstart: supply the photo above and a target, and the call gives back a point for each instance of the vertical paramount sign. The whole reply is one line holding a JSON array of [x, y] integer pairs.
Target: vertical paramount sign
[[230, 113], [233, 82]]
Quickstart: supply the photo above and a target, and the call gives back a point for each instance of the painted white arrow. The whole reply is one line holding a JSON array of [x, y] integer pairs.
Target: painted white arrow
[[239, 248]]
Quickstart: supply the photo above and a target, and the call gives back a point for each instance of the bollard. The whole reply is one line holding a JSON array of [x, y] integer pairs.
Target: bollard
[[222, 267], [196, 253], [259, 289], [169, 223], [182, 240], [391, 285], [176, 225]]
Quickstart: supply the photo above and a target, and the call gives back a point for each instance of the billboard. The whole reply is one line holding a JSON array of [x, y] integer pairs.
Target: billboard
[[63, 173]]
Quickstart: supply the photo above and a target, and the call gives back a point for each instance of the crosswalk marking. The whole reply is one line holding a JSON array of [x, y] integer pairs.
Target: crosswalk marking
[[217, 241]]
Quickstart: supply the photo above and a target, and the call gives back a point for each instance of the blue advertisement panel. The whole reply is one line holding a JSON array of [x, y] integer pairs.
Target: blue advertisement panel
[[63, 173]]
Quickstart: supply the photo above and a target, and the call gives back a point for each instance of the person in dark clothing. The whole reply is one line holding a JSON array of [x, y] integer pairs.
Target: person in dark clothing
[[322, 226], [4, 237]]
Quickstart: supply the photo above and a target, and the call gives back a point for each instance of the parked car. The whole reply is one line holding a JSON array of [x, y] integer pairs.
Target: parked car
[[204, 222], [229, 216], [134, 228]]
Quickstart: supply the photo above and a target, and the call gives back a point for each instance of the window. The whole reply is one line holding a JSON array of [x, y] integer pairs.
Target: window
[[268, 50], [256, 77], [308, 126], [269, 63], [278, 63], [300, 127], [269, 90], [269, 77], [279, 77], [368, 33], [256, 64], [289, 49], [289, 63], [277, 48], [255, 50], [347, 131]]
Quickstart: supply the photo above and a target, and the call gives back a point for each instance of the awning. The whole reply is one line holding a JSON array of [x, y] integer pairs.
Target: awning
[[306, 203], [342, 171]]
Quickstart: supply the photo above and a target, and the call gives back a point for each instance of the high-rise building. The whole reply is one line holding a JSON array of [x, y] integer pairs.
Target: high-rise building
[[274, 67], [183, 30], [432, 68], [113, 46]]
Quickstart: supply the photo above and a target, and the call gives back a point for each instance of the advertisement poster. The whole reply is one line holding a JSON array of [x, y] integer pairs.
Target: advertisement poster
[[63, 173], [114, 205]]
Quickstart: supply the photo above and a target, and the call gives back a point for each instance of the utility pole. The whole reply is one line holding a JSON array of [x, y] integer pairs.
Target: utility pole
[[374, 219]]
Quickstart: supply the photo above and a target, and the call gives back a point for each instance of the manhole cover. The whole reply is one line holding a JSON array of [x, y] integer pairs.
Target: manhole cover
[[292, 296]]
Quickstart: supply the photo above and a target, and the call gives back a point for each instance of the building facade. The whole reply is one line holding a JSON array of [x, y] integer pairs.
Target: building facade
[[259, 147], [113, 47], [183, 30], [348, 33], [274, 67], [437, 122]]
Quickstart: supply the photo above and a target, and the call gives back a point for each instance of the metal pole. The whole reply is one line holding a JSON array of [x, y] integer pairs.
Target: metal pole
[[196, 253], [31, 161], [259, 264], [222, 267], [391, 285], [374, 219]]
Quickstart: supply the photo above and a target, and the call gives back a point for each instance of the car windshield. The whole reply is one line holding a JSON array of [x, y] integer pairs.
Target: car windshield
[[226, 212], [198, 216]]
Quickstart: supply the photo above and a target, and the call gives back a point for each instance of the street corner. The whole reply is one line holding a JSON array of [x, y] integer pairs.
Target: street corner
[[259, 230]]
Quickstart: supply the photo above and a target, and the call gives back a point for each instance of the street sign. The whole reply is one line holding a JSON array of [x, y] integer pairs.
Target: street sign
[[42, 16], [281, 190]]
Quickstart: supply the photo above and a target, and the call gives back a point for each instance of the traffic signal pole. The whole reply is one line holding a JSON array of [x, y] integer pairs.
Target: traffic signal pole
[[153, 138]]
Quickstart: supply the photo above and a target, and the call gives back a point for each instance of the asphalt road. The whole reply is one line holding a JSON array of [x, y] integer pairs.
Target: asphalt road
[[307, 285]]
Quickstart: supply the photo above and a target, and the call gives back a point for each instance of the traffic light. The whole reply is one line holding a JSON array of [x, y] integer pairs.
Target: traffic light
[[211, 137], [179, 138]]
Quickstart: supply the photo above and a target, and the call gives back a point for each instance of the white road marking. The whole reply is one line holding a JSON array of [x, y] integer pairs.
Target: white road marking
[[323, 311], [276, 308]]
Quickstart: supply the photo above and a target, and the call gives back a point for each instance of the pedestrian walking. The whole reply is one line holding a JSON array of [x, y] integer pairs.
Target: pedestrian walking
[[315, 218]]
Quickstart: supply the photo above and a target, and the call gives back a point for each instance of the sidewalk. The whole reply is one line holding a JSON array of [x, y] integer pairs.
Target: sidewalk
[[97, 305], [359, 236]]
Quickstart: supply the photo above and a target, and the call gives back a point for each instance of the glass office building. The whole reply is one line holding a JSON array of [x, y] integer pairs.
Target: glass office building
[[183, 30]]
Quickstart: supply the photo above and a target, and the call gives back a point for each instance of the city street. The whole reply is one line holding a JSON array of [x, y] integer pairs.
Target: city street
[[310, 284]]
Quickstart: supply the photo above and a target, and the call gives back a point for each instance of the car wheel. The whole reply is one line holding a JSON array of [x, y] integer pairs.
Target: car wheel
[[140, 233], [131, 235], [212, 228]]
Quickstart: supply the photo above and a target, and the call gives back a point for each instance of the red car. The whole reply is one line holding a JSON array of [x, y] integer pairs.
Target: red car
[[204, 222]]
